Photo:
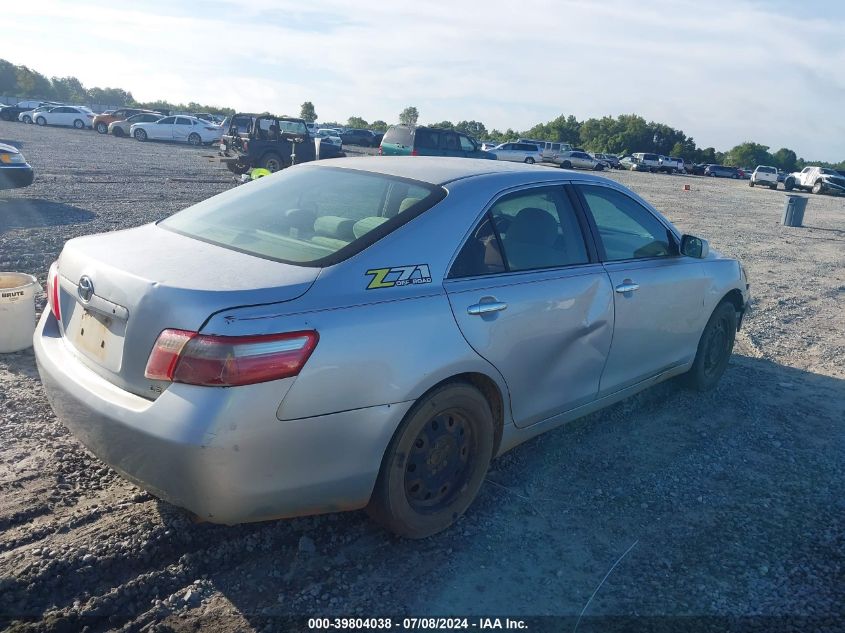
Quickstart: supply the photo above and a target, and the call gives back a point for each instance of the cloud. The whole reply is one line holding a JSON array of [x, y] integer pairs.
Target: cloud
[[723, 71]]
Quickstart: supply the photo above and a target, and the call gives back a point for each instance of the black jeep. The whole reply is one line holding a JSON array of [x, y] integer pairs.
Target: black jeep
[[265, 141]]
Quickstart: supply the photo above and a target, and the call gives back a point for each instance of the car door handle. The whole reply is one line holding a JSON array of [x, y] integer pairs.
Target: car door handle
[[485, 308], [627, 286]]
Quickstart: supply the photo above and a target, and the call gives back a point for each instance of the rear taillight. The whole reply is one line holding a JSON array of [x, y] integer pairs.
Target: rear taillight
[[414, 152], [227, 361], [53, 291], [380, 152], [211, 129]]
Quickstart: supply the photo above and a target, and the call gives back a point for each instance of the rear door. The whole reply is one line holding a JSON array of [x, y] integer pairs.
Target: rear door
[[182, 128], [530, 297], [658, 294]]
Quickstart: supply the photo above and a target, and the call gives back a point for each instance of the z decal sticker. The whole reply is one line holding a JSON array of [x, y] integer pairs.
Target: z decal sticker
[[399, 276]]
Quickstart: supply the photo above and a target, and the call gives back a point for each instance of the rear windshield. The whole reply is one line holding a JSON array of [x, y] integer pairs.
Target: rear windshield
[[398, 136], [767, 170], [310, 215]]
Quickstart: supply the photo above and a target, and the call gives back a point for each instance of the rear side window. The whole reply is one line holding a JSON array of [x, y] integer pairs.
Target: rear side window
[[627, 229], [531, 229], [398, 136], [313, 216]]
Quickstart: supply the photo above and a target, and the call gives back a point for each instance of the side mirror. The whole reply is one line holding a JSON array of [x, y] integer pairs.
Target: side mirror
[[693, 246]]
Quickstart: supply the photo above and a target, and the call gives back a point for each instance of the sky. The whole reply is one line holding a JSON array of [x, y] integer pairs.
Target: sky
[[723, 71]]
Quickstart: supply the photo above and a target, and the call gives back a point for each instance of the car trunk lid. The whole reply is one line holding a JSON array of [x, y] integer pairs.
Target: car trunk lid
[[118, 291]]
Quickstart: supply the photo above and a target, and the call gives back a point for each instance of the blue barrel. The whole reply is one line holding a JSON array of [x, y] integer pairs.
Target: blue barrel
[[793, 212]]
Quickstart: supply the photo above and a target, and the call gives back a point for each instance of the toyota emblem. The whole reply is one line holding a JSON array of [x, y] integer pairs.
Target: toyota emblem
[[85, 289]]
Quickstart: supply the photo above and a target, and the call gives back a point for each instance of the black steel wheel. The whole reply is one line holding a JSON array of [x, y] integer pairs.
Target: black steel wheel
[[435, 463], [714, 348]]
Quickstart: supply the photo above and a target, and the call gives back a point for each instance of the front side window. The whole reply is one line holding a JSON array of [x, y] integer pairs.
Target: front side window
[[627, 229], [466, 144], [311, 216], [533, 229]]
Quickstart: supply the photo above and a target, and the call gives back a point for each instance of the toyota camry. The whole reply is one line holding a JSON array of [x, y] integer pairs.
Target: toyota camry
[[372, 332]]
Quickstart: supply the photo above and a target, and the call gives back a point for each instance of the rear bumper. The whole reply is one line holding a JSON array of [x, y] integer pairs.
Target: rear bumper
[[14, 177], [220, 453]]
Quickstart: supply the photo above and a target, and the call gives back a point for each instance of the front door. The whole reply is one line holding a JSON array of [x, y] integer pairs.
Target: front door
[[531, 301], [658, 294]]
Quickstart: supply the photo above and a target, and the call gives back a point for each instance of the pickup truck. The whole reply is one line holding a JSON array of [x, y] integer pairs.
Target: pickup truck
[[265, 141], [670, 164], [815, 179]]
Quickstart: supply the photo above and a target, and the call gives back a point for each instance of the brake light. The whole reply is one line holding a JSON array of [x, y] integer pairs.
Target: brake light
[[211, 129], [380, 153], [53, 291], [227, 361], [414, 152]]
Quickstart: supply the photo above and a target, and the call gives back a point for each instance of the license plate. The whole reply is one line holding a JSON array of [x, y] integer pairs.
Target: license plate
[[93, 336]]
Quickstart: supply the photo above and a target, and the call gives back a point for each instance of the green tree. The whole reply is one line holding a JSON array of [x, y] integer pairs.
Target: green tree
[[443, 125], [110, 96], [409, 116], [33, 84], [749, 154], [308, 112], [475, 129], [8, 78], [356, 121], [785, 159], [379, 126], [69, 89]]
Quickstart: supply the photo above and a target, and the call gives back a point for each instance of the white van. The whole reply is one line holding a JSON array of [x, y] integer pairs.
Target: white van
[[552, 150]]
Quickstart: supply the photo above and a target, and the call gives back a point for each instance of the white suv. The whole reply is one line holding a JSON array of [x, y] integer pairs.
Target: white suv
[[518, 152], [764, 175]]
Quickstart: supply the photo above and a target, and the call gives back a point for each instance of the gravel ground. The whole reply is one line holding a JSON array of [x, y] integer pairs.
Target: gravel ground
[[724, 504]]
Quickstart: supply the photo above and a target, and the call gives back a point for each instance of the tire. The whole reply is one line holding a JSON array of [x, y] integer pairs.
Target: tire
[[566, 165], [446, 439], [714, 348], [272, 162], [102, 128], [774, 187], [79, 124], [194, 139], [5, 116], [788, 184], [529, 160], [599, 167], [117, 131], [27, 119], [817, 187], [41, 121], [750, 183], [140, 135]]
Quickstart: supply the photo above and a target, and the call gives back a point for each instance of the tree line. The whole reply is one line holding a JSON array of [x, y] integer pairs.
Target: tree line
[[624, 134]]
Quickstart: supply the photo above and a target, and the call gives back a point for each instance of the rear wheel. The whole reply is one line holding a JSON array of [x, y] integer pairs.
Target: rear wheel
[[529, 160], [714, 348], [435, 463], [117, 131], [774, 186], [79, 124], [41, 121], [194, 139], [140, 135], [272, 162], [750, 183], [566, 165], [102, 128], [817, 187], [789, 184]]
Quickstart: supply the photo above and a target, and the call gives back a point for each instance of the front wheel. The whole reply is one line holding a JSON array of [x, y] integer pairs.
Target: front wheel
[[714, 348], [41, 121], [566, 165], [102, 128], [817, 187], [140, 135], [117, 131], [529, 160], [750, 183], [435, 463], [194, 139], [788, 184], [79, 124]]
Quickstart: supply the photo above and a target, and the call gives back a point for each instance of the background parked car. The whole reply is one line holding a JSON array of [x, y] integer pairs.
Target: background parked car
[[28, 116], [670, 164], [721, 171], [11, 112], [357, 136], [411, 140], [121, 128], [764, 175], [650, 161], [518, 153], [550, 148], [79, 117], [610, 161], [217, 119], [270, 142], [14, 170], [183, 129], [578, 160], [488, 145], [102, 121]]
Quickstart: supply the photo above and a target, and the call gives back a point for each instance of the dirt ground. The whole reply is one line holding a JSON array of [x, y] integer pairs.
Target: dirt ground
[[673, 506]]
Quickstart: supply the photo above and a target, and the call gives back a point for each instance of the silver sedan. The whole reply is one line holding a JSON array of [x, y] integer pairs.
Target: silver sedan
[[372, 333]]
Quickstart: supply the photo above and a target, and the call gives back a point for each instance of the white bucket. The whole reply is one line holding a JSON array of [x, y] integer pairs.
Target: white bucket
[[17, 311]]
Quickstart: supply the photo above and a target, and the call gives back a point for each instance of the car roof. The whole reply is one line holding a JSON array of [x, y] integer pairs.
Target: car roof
[[441, 170]]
